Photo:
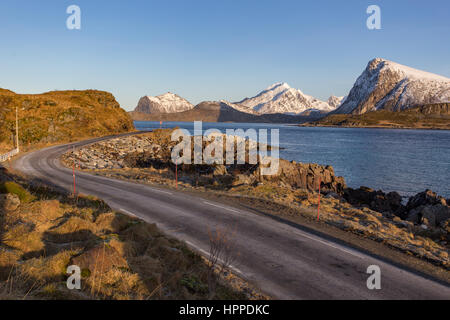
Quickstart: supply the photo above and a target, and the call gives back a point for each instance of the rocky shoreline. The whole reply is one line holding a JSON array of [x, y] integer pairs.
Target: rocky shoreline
[[420, 227]]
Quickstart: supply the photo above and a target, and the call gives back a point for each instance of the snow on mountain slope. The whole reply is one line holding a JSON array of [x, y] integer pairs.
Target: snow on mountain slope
[[281, 98], [334, 102], [237, 107], [388, 85], [165, 103]]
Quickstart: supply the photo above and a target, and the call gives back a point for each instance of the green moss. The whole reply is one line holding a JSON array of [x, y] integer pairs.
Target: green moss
[[193, 284], [14, 188], [85, 273]]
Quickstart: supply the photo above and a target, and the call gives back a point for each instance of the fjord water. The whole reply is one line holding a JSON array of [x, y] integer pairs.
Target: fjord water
[[406, 161]]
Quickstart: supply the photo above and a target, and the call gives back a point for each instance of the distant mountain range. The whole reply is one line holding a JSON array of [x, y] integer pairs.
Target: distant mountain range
[[279, 98], [384, 85], [223, 111]]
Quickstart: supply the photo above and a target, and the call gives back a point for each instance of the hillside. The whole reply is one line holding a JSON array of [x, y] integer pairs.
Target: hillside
[[432, 116], [213, 111], [60, 116]]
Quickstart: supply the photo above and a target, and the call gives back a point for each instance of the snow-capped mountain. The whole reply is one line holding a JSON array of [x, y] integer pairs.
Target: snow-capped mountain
[[392, 86], [165, 103], [281, 98]]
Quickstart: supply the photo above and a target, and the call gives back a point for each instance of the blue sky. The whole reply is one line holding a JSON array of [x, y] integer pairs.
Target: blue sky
[[209, 50]]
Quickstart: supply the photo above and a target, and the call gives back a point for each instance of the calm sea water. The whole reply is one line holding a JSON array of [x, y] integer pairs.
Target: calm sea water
[[406, 161]]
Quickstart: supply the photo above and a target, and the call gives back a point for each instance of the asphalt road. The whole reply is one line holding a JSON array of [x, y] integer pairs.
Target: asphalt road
[[284, 261]]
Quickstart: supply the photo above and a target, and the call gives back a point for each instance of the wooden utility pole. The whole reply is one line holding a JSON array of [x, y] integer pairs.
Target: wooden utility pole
[[17, 130]]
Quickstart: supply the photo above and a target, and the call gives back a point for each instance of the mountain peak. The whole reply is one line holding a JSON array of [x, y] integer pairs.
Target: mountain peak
[[278, 85], [385, 84], [164, 103], [281, 98], [407, 72]]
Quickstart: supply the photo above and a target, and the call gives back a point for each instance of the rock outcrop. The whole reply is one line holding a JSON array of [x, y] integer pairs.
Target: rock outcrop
[[428, 208], [425, 208], [307, 176], [389, 204]]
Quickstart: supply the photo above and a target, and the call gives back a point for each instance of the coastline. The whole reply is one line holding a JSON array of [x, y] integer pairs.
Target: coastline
[[306, 125], [369, 127], [365, 213]]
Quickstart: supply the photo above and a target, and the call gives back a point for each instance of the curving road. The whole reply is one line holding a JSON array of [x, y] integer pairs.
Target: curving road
[[284, 261]]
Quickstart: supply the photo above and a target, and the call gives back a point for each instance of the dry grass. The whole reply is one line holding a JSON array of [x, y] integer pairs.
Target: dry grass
[[120, 257]]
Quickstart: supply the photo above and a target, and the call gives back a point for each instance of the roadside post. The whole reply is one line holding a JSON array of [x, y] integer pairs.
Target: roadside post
[[73, 172], [318, 203]]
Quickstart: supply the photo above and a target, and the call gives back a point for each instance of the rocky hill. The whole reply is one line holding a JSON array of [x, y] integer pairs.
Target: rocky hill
[[386, 85], [60, 116], [165, 103]]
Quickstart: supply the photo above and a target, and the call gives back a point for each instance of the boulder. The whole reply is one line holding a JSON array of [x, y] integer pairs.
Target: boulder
[[390, 203], [446, 225], [242, 179], [425, 198], [9, 202], [415, 215], [306, 176], [333, 195], [433, 215]]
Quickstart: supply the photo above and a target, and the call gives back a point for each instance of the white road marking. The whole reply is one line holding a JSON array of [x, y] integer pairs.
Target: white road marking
[[215, 205], [130, 213], [329, 244], [236, 270], [122, 182], [299, 233], [160, 191]]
